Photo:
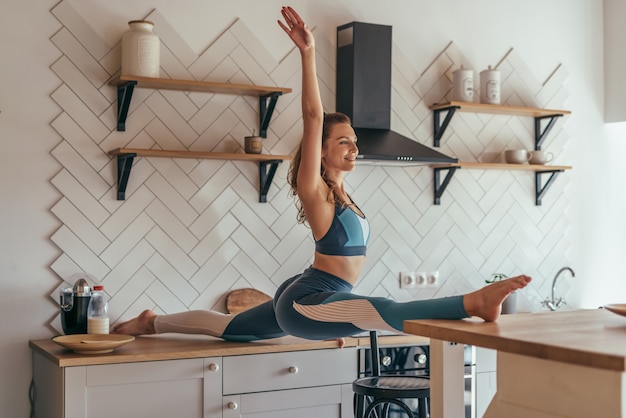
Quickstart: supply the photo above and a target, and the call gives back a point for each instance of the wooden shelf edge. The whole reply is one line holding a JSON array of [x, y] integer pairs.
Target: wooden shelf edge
[[197, 154], [200, 86], [499, 109], [504, 166]]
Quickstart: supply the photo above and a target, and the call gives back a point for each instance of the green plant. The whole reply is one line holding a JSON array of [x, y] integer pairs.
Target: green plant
[[496, 277]]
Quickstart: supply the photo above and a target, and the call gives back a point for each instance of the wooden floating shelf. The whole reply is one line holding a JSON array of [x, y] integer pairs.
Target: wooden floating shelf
[[540, 170], [499, 109], [200, 86], [539, 115], [125, 157], [505, 166], [198, 154], [126, 84]]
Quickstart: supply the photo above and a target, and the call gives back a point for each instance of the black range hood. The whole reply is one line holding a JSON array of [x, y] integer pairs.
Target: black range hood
[[363, 92]]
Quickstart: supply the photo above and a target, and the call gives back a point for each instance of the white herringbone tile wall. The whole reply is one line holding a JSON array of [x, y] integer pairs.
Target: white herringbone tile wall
[[190, 230]]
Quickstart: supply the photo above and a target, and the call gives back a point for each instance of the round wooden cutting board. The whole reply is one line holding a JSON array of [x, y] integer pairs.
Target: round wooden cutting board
[[240, 300]]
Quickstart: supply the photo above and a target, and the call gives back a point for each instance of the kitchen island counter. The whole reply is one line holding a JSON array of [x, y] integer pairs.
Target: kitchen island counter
[[549, 364]]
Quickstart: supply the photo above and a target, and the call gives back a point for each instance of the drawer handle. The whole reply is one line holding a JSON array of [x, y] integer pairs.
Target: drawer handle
[[232, 405], [214, 367], [293, 370]]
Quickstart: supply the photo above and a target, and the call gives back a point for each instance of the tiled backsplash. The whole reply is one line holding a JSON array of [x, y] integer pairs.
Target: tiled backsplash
[[190, 230]]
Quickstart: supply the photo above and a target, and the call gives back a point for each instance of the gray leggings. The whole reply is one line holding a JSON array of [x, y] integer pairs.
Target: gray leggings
[[314, 305]]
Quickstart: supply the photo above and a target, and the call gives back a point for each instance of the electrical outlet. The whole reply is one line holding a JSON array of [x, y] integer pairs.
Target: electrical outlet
[[432, 279], [418, 279], [407, 280], [421, 278]]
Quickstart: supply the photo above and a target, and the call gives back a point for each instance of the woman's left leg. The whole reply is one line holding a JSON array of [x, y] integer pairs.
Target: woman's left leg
[[320, 306]]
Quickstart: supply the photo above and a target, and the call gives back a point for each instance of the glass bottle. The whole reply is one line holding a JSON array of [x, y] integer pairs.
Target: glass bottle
[[98, 312]]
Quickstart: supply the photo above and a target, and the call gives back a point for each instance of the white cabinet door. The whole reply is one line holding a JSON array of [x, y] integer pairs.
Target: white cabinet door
[[485, 379], [212, 387], [157, 389], [317, 402]]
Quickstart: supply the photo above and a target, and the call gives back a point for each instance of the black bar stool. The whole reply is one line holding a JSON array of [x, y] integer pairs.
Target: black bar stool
[[381, 391]]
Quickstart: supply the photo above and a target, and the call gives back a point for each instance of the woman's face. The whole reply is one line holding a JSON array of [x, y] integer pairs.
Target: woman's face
[[339, 151]]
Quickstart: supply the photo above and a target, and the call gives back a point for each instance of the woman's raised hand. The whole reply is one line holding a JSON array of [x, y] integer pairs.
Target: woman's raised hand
[[296, 29]]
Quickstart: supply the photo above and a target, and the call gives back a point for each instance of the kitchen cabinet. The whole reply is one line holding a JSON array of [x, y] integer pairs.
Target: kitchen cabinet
[[197, 377], [541, 132], [268, 97]]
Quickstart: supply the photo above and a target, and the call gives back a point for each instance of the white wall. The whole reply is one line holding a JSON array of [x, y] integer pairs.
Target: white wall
[[543, 35]]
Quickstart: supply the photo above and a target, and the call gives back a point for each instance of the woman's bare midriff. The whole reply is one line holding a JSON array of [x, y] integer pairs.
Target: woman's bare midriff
[[347, 268]]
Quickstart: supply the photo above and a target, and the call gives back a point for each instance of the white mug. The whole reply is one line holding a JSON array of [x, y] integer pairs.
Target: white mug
[[516, 156], [540, 157]]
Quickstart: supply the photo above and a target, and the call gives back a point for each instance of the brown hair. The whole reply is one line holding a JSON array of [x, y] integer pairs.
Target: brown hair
[[330, 120]]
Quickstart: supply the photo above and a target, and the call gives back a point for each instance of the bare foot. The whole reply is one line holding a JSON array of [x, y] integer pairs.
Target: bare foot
[[141, 325], [486, 302]]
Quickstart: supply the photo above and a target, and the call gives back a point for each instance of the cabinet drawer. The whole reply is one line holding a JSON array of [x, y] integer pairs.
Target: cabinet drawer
[[297, 369], [317, 402]]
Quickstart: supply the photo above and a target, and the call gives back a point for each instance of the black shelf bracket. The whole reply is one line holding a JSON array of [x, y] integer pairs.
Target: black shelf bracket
[[440, 127], [124, 165], [540, 190], [540, 135], [266, 175], [440, 186], [266, 110], [124, 94]]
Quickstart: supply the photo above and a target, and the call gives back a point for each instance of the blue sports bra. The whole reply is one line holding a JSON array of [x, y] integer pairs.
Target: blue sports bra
[[348, 234]]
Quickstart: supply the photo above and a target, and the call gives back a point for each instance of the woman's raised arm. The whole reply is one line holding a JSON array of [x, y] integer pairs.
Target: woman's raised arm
[[310, 184]]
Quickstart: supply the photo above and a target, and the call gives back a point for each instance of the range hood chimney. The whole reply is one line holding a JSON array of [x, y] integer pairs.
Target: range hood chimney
[[363, 92]]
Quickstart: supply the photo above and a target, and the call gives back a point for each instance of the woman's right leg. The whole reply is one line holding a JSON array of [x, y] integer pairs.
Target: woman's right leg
[[258, 323]]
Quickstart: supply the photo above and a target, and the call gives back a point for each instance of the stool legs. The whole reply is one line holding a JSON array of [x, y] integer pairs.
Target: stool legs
[[386, 402], [380, 408]]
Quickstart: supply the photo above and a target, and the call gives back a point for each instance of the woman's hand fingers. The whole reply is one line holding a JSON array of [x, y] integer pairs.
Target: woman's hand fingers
[[295, 27]]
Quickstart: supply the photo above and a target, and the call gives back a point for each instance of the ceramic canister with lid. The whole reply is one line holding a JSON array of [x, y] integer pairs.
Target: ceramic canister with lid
[[490, 86], [140, 50], [463, 85]]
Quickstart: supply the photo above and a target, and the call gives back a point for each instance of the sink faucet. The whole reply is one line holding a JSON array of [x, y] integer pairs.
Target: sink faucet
[[554, 304]]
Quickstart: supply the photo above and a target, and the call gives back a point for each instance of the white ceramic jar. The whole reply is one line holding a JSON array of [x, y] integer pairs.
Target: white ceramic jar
[[463, 85], [140, 50], [490, 86]]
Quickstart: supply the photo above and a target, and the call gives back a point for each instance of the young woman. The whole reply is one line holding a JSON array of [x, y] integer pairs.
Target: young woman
[[318, 304]]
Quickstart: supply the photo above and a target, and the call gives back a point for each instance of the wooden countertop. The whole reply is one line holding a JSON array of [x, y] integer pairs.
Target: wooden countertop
[[174, 347], [594, 338]]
